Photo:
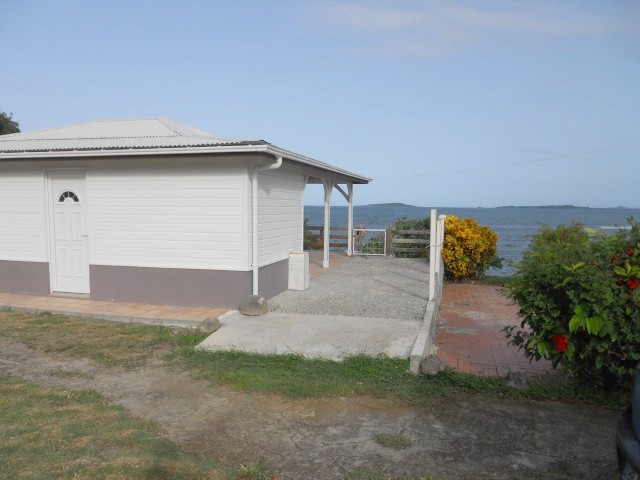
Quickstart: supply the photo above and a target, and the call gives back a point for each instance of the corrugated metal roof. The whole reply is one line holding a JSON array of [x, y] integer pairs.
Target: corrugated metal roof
[[159, 132], [143, 136]]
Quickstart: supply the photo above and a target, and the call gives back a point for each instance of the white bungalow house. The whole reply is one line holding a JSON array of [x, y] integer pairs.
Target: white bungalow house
[[153, 211]]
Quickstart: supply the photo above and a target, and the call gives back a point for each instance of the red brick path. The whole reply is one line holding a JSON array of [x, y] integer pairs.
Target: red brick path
[[470, 338]]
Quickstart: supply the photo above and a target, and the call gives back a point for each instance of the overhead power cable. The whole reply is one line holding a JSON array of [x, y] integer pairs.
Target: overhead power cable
[[515, 164]]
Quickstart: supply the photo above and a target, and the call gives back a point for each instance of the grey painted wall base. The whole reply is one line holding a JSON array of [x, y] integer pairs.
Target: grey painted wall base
[[169, 286], [27, 278], [189, 287], [162, 286], [273, 279]]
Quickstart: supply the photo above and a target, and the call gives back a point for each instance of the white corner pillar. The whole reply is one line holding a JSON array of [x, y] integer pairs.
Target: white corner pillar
[[348, 195], [254, 220], [328, 187]]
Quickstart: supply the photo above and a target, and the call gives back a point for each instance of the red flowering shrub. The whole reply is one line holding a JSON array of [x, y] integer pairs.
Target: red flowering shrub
[[560, 341], [579, 298]]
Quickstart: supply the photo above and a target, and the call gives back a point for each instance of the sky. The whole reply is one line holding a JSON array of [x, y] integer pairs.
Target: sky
[[441, 103]]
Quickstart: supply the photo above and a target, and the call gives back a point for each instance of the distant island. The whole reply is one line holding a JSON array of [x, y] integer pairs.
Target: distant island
[[543, 206], [395, 204]]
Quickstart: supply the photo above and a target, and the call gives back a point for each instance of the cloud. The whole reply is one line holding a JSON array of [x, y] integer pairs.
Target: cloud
[[375, 18], [434, 29]]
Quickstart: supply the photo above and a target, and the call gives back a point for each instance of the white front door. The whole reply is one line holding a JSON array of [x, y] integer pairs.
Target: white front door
[[69, 234]]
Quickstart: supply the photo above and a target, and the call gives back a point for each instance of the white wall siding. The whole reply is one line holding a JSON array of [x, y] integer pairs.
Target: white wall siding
[[179, 214], [23, 235], [167, 213], [280, 217]]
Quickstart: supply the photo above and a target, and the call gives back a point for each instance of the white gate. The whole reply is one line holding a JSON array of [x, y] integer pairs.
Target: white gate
[[369, 241]]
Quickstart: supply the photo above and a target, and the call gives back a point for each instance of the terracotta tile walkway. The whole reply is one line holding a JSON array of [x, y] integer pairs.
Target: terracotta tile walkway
[[117, 311], [470, 337]]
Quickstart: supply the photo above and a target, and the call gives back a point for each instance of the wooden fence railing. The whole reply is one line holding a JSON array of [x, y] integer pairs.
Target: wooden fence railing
[[407, 241], [314, 237], [414, 242]]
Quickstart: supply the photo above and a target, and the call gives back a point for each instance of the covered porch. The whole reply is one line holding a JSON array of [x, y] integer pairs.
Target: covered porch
[[344, 185]]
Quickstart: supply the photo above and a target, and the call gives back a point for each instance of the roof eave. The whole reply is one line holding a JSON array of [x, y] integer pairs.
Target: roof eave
[[277, 151], [264, 148]]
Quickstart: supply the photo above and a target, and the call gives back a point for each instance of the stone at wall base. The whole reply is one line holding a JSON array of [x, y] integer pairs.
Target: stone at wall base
[[517, 379], [210, 325], [431, 365], [254, 305]]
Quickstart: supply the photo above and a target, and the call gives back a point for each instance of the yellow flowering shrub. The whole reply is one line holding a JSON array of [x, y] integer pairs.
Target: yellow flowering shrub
[[469, 249]]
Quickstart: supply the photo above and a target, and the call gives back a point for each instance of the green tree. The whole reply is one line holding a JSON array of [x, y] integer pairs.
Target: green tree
[[8, 124]]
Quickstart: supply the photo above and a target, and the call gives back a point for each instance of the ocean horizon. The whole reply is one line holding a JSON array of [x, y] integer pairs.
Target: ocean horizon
[[514, 224]]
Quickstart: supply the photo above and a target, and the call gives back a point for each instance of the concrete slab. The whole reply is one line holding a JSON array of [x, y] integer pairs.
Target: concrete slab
[[374, 287], [314, 336]]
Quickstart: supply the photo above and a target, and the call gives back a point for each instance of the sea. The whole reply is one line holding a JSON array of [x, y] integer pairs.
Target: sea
[[514, 225]]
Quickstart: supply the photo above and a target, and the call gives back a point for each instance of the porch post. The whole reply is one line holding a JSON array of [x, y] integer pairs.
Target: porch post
[[350, 221], [328, 187], [348, 196], [305, 182]]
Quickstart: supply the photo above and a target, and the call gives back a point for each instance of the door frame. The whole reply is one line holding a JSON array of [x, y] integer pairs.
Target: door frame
[[49, 175]]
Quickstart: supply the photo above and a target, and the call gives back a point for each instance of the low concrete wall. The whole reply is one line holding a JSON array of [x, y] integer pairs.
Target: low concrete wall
[[424, 340], [422, 346]]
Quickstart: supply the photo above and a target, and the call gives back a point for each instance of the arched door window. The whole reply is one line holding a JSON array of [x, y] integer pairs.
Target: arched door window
[[68, 194]]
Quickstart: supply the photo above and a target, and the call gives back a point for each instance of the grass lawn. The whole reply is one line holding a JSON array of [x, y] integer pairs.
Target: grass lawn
[[295, 376], [110, 344], [54, 433], [126, 345]]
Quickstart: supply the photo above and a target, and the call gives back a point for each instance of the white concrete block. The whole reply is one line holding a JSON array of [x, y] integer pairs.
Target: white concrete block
[[298, 270]]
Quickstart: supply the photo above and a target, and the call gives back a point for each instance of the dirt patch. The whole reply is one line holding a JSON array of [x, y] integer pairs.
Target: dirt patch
[[326, 438]]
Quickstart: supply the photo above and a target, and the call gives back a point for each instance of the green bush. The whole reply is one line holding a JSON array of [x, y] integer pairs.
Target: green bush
[[579, 299], [405, 223], [311, 241]]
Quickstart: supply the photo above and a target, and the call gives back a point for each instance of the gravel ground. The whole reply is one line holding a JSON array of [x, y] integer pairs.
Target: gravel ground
[[375, 287]]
